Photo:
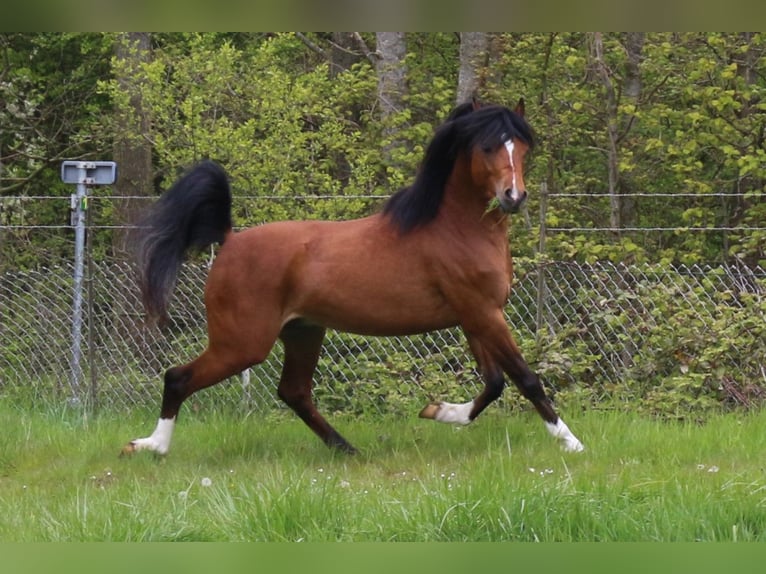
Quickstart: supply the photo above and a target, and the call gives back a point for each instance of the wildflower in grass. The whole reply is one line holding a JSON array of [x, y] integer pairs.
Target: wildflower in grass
[[206, 482]]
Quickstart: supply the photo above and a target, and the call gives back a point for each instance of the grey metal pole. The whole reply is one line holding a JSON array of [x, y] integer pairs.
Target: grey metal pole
[[83, 174], [542, 295], [79, 205]]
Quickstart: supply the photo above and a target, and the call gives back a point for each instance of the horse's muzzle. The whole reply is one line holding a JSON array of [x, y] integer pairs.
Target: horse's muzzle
[[511, 202]]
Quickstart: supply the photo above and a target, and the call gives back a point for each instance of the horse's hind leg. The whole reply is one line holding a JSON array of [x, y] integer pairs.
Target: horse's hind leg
[[302, 344], [213, 366]]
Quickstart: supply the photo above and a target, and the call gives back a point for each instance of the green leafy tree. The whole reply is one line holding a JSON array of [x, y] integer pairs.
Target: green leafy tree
[[49, 112]]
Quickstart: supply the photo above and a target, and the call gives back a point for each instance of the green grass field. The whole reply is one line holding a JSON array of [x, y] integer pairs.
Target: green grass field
[[255, 478]]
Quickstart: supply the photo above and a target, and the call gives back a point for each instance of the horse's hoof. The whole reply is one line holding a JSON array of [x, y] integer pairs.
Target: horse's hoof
[[128, 449], [572, 446], [429, 411]]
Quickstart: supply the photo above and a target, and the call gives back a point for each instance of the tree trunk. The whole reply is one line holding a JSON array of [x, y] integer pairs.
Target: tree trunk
[[474, 51], [132, 150], [392, 85], [735, 206], [634, 45], [392, 72], [613, 171]]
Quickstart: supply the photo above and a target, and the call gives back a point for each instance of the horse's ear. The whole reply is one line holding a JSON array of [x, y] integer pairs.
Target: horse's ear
[[475, 103], [520, 107]]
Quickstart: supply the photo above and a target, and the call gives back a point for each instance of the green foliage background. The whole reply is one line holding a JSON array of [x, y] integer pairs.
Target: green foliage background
[[287, 122]]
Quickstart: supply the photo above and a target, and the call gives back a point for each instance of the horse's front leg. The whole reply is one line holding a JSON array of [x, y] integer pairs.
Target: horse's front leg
[[465, 413], [496, 353], [528, 382]]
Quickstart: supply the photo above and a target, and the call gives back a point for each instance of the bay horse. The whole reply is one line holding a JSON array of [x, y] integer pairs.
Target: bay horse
[[435, 256]]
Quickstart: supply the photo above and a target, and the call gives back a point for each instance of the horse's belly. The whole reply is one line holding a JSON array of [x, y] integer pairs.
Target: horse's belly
[[380, 312]]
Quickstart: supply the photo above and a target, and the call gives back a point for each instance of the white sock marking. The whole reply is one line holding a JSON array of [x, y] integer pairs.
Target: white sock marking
[[455, 414], [569, 442], [159, 441]]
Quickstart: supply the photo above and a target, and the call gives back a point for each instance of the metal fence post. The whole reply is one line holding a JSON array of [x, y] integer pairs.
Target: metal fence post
[[83, 174], [541, 286]]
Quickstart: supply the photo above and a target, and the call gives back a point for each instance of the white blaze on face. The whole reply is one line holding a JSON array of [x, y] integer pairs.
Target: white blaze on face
[[515, 194]]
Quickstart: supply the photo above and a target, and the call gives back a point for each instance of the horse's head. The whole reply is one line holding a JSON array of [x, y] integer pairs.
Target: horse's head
[[482, 148], [497, 165]]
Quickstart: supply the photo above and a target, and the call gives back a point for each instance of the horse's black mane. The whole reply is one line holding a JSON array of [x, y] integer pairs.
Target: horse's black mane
[[465, 128]]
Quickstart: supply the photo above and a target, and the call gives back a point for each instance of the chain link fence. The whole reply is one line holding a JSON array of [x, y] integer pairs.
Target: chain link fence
[[594, 329]]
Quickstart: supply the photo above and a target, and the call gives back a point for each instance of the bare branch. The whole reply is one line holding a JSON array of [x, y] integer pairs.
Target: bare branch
[[372, 56], [311, 44]]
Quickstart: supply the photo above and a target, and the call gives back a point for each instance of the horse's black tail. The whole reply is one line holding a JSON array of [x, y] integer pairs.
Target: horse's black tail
[[192, 215]]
